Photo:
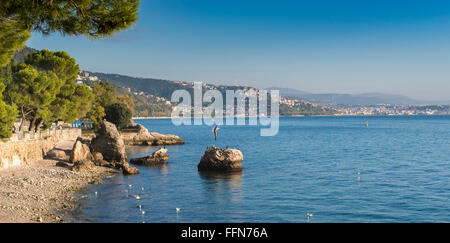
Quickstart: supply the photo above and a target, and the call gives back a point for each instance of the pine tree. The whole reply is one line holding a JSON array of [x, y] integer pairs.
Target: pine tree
[[92, 18], [32, 91], [7, 116], [72, 101], [13, 37]]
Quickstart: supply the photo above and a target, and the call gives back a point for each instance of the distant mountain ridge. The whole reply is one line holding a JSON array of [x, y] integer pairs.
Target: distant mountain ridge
[[354, 99]]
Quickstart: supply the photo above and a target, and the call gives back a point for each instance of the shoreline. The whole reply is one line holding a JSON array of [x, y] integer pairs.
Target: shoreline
[[43, 192], [335, 115]]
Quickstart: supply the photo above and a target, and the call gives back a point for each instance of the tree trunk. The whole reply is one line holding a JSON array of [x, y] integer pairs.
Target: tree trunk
[[22, 120], [38, 126], [21, 124], [32, 124]]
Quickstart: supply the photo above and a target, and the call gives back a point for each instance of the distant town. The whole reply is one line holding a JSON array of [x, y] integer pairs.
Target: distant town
[[288, 105]]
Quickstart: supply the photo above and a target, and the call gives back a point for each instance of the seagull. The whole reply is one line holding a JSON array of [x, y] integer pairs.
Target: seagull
[[309, 215], [178, 210], [214, 130]]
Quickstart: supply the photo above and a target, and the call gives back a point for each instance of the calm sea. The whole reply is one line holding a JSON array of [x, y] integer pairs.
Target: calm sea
[[335, 168]]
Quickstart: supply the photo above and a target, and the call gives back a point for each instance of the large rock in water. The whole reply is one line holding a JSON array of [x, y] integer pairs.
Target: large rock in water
[[109, 143], [158, 157], [158, 139], [144, 137], [109, 149], [128, 170], [80, 152], [217, 159]]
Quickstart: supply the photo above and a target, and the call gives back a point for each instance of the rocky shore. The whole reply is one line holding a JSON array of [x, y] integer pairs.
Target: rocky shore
[[43, 191]]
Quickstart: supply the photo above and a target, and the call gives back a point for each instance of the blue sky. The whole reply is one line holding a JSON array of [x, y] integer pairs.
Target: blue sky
[[395, 47]]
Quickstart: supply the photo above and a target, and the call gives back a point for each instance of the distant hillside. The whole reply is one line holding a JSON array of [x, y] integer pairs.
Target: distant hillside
[[19, 56], [148, 87], [158, 87], [287, 92], [350, 99]]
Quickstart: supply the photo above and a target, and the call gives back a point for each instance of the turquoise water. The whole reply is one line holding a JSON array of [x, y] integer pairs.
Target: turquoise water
[[336, 168]]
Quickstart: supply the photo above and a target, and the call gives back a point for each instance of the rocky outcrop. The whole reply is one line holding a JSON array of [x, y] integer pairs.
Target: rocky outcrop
[[97, 156], [80, 152], [157, 139], [144, 137], [217, 159], [57, 154], [128, 170], [109, 143], [83, 165], [158, 157], [108, 149]]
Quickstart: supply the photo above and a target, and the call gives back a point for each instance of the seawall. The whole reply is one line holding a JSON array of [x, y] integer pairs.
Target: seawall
[[32, 147]]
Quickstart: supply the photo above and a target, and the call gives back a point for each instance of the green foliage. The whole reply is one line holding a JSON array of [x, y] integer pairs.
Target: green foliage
[[13, 37], [95, 18], [119, 114], [7, 116], [105, 94], [96, 114], [61, 63], [72, 101], [157, 87], [127, 100], [6, 74], [146, 105], [32, 91], [306, 109]]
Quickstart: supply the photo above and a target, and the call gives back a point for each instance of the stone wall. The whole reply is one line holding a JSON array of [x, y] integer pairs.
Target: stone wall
[[32, 147]]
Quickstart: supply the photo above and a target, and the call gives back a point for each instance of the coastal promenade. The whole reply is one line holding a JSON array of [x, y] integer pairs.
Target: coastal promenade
[[27, 148]]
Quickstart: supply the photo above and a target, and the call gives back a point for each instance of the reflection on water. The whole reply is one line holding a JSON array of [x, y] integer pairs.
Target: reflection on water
[[219, 183], [234, 178]]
